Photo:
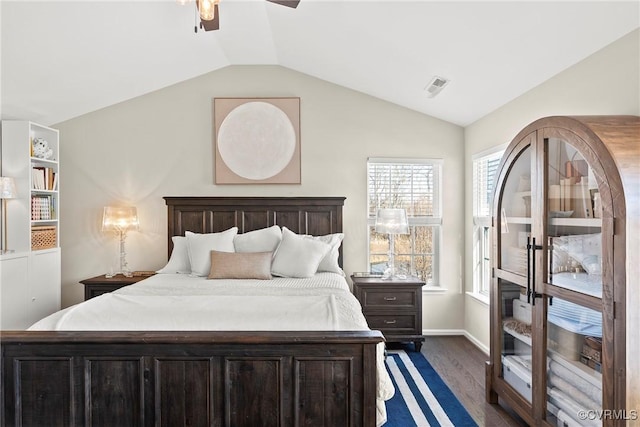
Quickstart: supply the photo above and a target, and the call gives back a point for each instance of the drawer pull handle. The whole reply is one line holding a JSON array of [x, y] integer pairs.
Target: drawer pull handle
[[390, 298], [389, 322]]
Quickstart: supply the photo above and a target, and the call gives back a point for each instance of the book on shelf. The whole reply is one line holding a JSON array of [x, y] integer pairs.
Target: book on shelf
[[43, 207], [43, 178], [582, 198]]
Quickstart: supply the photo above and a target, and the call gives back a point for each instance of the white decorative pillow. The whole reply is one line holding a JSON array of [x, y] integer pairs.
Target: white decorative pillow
[[201, 245], [330, 261], [262, 240], [298, 256], [560, 260], [179, 259], [240, 265], [584, 248]]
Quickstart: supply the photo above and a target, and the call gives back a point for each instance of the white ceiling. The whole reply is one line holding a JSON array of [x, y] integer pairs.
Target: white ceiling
[[63, 59]]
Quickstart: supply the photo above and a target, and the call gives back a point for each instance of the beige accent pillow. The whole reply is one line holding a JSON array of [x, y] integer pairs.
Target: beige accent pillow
[[240, 265]]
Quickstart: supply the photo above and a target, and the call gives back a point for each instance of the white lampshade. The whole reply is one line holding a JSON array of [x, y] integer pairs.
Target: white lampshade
[[7, 188], [392, 221], [120, 218]]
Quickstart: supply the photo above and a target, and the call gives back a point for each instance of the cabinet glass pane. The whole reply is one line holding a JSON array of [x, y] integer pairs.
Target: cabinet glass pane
[[574, 224], [516, 338], [574, 347], [515, 211]]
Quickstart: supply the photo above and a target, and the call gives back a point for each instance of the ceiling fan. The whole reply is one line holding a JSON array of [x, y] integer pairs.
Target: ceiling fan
[[210, 18]]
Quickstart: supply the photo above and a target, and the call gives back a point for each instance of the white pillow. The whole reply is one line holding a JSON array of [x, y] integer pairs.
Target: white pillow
[[560, 260], [201, 245], [262, 240], [298, 256], [179, 259], [330, 261], [584, 248]]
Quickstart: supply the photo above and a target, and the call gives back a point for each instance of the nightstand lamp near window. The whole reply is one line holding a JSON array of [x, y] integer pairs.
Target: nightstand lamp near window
[[391, 222], [7, 191], [120, 220]]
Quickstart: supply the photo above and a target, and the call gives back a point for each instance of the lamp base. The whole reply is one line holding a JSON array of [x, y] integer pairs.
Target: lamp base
[[390, 275], [111, 274]]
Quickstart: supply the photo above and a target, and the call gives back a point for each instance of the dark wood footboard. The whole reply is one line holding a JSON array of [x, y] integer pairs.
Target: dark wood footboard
[[189, 378]]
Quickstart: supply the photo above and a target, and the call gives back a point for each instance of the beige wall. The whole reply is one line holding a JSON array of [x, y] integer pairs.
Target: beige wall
[[160, 144], [605, 83]]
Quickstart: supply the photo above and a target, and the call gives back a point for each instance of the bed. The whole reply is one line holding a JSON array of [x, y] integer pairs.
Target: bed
[[211, 374]]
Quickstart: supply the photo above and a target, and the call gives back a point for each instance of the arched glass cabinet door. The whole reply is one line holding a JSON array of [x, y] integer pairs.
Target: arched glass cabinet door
[[512, 234], [574, 220], [574, 283]]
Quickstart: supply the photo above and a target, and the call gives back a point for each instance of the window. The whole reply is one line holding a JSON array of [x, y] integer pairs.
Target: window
[[485, 166], [414, 185]]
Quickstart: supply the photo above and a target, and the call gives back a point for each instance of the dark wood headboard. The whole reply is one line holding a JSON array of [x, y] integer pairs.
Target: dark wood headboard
[[302, 215]]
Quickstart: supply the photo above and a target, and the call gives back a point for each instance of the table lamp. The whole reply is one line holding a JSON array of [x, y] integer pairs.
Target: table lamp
[[120, 220], [391, 222]]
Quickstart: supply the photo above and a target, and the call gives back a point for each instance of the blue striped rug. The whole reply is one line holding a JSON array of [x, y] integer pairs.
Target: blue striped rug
[[422, 399]]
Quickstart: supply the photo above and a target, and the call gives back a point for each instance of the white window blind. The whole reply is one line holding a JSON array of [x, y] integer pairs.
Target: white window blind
[[413, 185], [484, 170]]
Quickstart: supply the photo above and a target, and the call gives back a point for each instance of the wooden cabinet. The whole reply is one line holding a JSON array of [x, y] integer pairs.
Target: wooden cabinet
[[31, 277], [392, 306], [101, 285], [561, 224]]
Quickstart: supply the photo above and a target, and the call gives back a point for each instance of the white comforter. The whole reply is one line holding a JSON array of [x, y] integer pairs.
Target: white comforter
[[181, 302]]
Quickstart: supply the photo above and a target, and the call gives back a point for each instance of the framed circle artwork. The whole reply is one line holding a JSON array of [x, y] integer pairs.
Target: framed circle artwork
[[257, 140]]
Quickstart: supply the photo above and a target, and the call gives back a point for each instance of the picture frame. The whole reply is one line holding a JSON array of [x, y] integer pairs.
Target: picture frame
[[257, 140]]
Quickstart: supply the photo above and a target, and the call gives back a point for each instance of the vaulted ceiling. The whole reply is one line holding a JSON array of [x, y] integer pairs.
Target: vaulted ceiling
[[61, 59]]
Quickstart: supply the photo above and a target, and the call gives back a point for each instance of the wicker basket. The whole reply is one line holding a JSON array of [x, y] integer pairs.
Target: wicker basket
[[43, 237]]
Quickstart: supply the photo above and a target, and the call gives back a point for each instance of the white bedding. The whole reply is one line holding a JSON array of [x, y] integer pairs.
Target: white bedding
[[590, 284], [181, 302]]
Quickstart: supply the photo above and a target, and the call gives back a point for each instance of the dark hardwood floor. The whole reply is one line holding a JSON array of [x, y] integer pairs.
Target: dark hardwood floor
[[461, 365]]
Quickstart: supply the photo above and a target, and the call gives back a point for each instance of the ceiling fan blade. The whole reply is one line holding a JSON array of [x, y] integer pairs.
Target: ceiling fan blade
[[288, 3], [214, 24]]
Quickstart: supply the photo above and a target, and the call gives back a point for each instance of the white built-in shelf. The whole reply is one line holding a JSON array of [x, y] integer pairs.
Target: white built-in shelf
[[518, 220], [577, 222]]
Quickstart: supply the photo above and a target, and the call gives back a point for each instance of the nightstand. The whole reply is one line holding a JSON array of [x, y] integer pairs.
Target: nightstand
[[101, 285], [392, 306]]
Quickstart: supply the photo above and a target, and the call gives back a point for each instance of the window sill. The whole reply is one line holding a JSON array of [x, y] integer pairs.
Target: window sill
[[482, 298], [433, 290]]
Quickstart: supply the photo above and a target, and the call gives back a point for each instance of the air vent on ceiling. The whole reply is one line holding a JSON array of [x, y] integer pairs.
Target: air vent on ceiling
[[435, 86]]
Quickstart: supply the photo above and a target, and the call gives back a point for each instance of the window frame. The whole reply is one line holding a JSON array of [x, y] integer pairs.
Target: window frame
[[434, 221], [482, 222]]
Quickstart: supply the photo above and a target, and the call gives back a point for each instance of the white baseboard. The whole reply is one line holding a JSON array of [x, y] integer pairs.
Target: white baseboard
[[477, 343], [442, 332], [467, 335]]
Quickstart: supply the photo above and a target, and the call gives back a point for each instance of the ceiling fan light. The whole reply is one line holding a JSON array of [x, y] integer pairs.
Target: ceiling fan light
[[207, 9]]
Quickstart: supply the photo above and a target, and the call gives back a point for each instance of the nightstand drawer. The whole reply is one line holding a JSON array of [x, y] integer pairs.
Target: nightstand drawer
[[392, 322], [389, 297]]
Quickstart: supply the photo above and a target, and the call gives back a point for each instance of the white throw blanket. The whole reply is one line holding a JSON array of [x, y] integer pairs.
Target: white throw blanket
[[180, 302], [115, 312]]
